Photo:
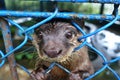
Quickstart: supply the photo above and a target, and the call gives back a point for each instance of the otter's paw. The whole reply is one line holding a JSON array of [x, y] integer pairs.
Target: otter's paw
[[74, 77], [37, 75]]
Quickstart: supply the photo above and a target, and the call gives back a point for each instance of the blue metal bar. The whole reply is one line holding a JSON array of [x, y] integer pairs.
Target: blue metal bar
[[102, 28], [81, 30], [90, 1], [2, 61], [114, 72], [78, 28], [9, 47], [43, 21], [66, 70], [93, 1], [114, 60], [58, 15], [23, 68], [96, 73], [98, 52], [50, 67], [103, 57], [56, 64], [18, 47]]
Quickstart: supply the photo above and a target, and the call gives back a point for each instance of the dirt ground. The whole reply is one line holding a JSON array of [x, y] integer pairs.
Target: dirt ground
[[5, 73]]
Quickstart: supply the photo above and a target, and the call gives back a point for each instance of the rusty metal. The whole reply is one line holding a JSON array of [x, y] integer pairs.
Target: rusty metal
[[9, 46]]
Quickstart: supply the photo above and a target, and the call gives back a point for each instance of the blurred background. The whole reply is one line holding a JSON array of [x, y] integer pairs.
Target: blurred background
[[26, 56]]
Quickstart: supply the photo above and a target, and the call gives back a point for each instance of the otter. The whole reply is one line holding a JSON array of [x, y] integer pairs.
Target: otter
[[55, 41]]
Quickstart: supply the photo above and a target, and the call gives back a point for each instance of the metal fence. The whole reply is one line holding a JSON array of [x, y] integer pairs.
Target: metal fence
[[48, 16]]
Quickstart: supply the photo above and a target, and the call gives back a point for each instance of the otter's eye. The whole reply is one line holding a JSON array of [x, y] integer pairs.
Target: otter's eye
[[40, 35], [69, 35]]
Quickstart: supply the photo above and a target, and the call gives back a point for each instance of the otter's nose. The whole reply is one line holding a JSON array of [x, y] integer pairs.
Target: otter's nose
[[52, 53]]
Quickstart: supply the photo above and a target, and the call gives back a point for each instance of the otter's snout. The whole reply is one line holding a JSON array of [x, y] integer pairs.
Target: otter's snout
[[52, 53], [52, 49]]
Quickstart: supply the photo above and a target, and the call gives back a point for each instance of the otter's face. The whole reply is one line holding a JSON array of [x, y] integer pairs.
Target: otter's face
[[56, 40]]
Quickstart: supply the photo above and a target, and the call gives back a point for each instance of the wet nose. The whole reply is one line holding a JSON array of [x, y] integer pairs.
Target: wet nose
[[52, 53]]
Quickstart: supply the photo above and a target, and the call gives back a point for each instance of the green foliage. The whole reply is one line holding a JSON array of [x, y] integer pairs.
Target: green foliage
[[86, 8], [26, 55], [24, 5]]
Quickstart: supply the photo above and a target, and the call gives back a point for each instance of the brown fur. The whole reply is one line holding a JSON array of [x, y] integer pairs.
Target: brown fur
[[54, 39]]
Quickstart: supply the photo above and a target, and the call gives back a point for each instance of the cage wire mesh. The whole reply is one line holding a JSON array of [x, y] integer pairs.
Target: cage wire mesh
[[112, 18]]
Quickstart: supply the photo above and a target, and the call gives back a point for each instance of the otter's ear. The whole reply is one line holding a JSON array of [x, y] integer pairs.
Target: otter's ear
[[79, 21]]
